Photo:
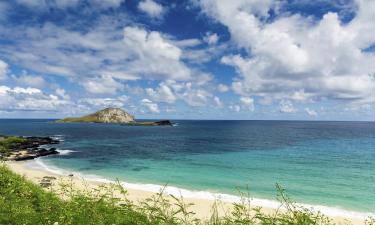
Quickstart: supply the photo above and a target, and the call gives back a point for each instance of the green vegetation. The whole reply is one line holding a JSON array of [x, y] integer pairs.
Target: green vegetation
[[9, 143], [83, 119], [22, 202]]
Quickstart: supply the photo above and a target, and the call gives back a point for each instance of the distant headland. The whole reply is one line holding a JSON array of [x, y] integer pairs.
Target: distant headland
[[113, 115]]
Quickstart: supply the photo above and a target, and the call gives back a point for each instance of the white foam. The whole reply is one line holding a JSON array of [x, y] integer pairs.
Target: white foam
[[39, 164], [65, 151], [58, 137], [205, 195]]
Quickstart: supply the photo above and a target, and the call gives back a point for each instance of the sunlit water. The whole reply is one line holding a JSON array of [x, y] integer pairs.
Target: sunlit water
[[319, 163]]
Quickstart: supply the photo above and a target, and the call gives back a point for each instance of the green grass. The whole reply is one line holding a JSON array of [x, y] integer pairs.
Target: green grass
[[23, 202], [8, 143], [84, 119]]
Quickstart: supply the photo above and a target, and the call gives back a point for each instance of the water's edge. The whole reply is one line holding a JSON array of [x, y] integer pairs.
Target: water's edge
[[39, 163]]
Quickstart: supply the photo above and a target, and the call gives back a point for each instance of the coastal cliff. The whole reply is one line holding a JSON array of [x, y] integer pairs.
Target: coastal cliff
[[113, 115]]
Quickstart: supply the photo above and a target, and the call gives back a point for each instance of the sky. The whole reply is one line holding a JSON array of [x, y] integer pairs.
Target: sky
[[189, 59]]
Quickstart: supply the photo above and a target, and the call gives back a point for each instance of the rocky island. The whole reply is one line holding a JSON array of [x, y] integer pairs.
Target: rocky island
[[113, 115]]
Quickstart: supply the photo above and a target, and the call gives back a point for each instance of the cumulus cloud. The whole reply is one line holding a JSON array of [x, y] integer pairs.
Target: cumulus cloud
[[222, 88], [248, 102], [163, 93], [154, 55], [105, 4], [4, 9], [195, 96], [133, 53], [29, 99], [29, 80], [45, 4], [151, 106], [218, 102], [235, 108], [311, 112], [293, 53], [3, 70], [286, 106], [62, 93], [102, 85], [100, 103], [64, 4], [151, 8], [211, 38]]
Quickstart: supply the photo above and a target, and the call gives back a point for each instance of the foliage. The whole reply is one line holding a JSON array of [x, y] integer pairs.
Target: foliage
[[22, 202], [9, 143]]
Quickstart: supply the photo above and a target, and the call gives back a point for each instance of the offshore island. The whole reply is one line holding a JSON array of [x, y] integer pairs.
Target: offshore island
[[113, 115]]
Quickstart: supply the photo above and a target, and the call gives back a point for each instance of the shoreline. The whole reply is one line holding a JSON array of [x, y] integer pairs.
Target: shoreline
[[35, 170]]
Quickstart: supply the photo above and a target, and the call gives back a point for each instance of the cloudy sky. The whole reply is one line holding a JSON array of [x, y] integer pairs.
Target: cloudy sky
[[189, 59]]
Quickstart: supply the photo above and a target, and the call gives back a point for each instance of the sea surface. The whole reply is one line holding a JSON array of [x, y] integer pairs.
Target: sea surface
[[329, 164]]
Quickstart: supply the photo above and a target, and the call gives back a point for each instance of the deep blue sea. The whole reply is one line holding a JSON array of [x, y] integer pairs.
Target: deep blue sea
[[318, 163]]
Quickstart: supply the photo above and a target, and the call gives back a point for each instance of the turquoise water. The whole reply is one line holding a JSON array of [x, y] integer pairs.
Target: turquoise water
[[319, 163]]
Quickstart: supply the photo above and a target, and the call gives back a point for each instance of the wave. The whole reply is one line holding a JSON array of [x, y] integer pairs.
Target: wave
[[58, 137], [205, 195], [65, 151]]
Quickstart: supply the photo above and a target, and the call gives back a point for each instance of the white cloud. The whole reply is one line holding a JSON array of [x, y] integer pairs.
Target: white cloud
[[248, 102], [66, 3], [163, 93], [99, 103], [62, 93], [222, 88], [151, 8], [154, 55], [151, 106], [45, 4], [211, 38], [3, 70], [29, 80], [29, 99], [218, 102], [102, 85], [4, 9], [290, 53], [63, 4], [286, 106], [33, 3], [311, 112], [235, 108], [195, 96], [138, 54], [105, 4]]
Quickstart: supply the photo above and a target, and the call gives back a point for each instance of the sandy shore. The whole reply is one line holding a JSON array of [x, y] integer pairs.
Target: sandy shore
[[202, 207]]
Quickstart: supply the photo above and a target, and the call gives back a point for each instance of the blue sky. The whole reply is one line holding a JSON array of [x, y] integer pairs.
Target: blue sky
[[188, 59]]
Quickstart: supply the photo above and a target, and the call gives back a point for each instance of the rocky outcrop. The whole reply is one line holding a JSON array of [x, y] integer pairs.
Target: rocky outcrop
[[108, 115], [113, 115], [30, 148], [153, 123]]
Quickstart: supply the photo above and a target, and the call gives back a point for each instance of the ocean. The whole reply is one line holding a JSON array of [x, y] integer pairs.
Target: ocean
[[330, 165]]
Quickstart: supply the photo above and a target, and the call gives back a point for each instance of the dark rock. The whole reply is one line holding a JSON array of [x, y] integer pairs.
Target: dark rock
[[45, 152], [32, 147], [26, 157], [163, 123]]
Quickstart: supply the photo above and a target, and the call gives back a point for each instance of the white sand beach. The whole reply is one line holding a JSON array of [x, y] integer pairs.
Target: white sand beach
[[202, 207]]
